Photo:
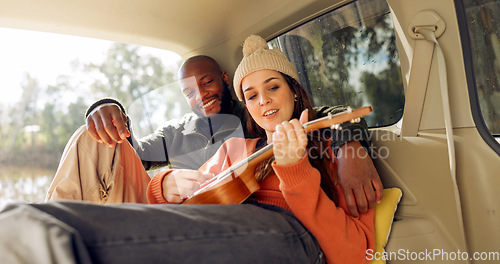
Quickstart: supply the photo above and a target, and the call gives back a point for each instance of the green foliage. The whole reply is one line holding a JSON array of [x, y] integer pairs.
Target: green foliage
[[126, 74], [382, 89], [34, 130], [344, 59]]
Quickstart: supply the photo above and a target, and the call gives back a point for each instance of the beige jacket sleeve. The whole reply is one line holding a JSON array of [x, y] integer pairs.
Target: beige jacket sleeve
[[91, 171]]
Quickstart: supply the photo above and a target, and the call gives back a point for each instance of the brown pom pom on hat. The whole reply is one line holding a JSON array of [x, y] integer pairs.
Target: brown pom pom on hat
[[257, 56]]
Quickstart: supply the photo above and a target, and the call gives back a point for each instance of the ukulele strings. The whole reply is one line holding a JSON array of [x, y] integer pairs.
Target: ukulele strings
[[229, 171]]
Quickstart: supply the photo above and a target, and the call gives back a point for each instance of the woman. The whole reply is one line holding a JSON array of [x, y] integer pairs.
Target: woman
[[299, 178], [297, 216]]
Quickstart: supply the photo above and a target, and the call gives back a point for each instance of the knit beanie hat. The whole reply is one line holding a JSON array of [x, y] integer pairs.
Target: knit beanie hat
[[257, 56]]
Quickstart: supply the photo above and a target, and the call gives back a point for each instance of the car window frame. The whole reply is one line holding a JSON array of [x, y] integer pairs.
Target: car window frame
[[476, 111]]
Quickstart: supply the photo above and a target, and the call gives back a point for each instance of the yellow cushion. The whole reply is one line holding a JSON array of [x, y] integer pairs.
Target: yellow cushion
[[384, 214]]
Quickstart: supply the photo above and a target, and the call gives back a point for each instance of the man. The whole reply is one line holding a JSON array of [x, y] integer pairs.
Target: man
[[115, 174], [186, 143]]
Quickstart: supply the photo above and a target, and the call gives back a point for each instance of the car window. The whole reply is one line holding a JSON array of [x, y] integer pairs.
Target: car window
[[48, 82], [349, 57], [152, 109], [483, 26]]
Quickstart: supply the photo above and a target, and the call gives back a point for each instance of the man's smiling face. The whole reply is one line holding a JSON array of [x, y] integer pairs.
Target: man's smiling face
[[205, 87]]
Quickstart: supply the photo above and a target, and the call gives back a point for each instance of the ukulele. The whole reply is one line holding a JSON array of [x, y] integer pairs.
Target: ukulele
[[226, 188]]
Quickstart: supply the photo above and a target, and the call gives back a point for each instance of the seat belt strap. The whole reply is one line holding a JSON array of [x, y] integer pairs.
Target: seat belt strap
[[430, 36], [443, 83], [426, 27]]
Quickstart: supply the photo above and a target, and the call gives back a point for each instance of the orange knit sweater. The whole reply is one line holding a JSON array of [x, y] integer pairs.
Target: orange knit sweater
[[296, 187]]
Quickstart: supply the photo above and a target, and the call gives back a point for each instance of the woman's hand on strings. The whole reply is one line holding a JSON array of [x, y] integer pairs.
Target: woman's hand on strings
[[290, 140], [180, 184]]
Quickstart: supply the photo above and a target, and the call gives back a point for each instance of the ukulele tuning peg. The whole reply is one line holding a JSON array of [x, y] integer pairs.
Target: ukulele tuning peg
[[356, 120], [336, 126]]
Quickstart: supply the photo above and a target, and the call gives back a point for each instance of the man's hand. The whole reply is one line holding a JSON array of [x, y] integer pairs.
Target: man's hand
[[179, 184], [107, 124], [358, 178]]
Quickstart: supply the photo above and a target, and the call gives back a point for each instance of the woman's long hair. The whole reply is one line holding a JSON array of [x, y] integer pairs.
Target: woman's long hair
[[317, 144]]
